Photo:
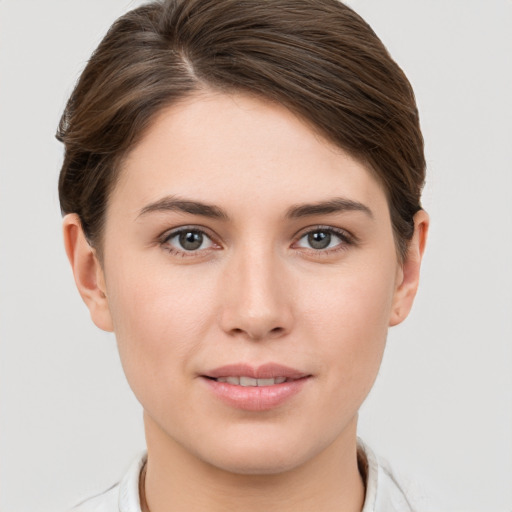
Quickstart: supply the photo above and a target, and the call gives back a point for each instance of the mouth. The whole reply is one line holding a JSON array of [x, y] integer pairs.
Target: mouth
[[261, 388], [269, 374], [250, 381]]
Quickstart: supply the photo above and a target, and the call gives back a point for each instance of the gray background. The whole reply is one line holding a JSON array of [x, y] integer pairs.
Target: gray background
[[441, 410]]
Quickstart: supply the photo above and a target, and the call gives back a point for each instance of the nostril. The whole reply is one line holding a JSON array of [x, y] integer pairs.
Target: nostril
[[251, 333]]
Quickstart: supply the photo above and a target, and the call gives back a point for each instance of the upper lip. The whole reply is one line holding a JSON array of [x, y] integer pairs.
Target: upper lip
[[264, 371]]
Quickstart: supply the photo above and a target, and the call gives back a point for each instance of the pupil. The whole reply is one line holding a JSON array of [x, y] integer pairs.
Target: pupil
[[191, 240], [319, 239]]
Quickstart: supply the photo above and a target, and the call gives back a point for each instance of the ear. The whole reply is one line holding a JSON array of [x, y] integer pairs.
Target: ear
[[409, 273], [89, 277]]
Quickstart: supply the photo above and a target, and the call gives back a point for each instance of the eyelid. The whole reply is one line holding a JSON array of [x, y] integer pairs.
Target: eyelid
[[168, 234], [346, 237]]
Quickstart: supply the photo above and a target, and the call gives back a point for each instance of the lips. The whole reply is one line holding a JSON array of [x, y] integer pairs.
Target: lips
[[249, 381], [266, 371], [255, 388]]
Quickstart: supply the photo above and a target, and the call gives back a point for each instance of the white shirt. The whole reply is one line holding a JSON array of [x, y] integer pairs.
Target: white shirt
[[383, 492]]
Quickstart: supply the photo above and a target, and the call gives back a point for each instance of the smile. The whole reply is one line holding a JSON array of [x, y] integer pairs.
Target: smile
[[250, 381], [261, 388]]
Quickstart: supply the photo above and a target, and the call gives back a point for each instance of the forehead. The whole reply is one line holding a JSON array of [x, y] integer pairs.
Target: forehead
[[239, 150]]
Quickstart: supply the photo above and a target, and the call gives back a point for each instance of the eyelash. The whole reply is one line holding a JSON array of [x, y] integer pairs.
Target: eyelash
[[165, 239], [346, 240]]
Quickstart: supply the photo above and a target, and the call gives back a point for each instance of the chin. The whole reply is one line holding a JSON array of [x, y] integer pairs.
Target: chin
[[259, 455], [261, 463]]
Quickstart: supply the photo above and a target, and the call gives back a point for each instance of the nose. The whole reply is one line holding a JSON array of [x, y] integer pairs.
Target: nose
[[256, 301]]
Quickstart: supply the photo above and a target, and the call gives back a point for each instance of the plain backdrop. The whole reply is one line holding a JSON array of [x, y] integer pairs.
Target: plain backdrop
[[441, 410]]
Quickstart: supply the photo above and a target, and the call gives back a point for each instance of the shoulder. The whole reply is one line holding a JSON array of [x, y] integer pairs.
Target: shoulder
[[384, 492], [121, 497]]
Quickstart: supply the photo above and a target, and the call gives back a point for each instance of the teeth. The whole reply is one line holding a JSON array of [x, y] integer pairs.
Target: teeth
[[249, 381], [266, 382]]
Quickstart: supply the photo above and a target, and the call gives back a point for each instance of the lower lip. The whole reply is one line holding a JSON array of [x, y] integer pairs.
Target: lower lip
[[255, 398]]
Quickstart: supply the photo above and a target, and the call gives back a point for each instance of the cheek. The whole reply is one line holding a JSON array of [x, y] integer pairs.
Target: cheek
[[159, 319], [348, 315], [352, 300]]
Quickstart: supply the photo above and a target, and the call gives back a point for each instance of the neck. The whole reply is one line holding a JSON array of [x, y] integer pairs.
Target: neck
[[176, 479]]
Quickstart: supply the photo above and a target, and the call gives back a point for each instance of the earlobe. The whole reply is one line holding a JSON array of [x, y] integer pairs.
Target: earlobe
[[87, 270], [409, 273]]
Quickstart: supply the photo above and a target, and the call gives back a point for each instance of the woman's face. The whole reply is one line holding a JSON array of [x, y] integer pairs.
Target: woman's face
[[240, 245]]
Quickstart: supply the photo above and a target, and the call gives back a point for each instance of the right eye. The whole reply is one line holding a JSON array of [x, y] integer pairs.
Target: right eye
[[187, 240]]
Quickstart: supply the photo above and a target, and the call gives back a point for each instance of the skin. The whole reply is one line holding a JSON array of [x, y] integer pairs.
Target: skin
[[255, 291]]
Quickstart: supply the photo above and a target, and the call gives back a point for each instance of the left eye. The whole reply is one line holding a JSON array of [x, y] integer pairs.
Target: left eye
[[321, 239], [189, 240]]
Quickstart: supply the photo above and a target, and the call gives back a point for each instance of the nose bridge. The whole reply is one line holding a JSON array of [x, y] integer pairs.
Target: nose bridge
[[256, 303]]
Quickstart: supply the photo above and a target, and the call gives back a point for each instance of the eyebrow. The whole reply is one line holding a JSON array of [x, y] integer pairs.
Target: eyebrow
[[169, 204], [334, 205]]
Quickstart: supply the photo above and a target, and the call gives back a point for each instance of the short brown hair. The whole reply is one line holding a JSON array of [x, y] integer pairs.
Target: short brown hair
[[318, 58]]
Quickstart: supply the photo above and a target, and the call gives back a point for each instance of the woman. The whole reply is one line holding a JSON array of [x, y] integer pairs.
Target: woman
[[241, 190]]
